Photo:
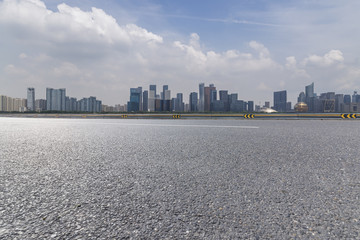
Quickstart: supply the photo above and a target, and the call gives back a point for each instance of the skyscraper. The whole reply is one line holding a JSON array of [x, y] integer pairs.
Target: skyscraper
[[165, 88], [30, 99], [224, 97], [201, 97], [152, 97], [309, 90], [193, 102], [250, 106], [280, 100], [56, 99], [302, 97], [134, 105], [145, 101], [207, 97], [179, 104], [153, 88]]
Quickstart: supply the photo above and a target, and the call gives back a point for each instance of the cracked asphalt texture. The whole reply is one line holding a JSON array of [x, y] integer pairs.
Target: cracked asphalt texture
[[146, 179]]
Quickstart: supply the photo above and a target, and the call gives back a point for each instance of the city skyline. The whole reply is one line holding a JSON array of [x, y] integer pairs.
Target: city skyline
[[104, 48], [210, 100]]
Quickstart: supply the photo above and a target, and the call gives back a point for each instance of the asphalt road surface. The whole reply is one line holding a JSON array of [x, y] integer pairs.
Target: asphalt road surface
[[179, 179]]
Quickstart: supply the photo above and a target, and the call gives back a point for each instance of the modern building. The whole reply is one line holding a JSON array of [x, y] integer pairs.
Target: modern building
[[146, 101], [153, 88], [201, 97], [250, 106], [165, 88], [280, 100], [302, 97], [207, 97], [179, 103], [224, 97], [355, 97], [56, 99], [309, 91], [135, 103], [31, 99], [152, 98], [9, 104], [347, 99], [339, 103], [40, 105], [193, 102]]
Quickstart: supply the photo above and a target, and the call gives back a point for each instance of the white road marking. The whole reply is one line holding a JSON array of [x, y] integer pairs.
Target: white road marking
[[185, 125]]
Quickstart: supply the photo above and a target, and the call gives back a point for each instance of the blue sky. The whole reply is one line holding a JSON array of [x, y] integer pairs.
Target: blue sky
[[253, 48]]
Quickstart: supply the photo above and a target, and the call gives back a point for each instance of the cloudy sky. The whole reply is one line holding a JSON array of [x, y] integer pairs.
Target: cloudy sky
[[249, 47]]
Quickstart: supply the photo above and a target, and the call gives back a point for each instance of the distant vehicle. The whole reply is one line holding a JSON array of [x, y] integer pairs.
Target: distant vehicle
[[267, 110]]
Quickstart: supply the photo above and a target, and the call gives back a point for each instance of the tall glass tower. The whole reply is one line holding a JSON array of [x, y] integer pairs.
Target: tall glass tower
[[31, 99]]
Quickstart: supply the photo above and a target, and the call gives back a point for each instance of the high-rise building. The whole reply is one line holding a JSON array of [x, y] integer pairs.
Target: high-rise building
[[207, 97], [145, 101], [40, 105], [9, 104], [193, 102], [153, 88], [347, 98], [151, 101], [167, 95], [179, 104], [302, 97], [135, 103], [355, 97], [339, 103], [224, 97], [250, 106], [280, 100], [165, 88], [309, 91], [201, 97], [3, 103], [56, 99], [31, 99]]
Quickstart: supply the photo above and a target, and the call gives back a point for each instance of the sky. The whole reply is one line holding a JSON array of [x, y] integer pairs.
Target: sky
[[249, 47]]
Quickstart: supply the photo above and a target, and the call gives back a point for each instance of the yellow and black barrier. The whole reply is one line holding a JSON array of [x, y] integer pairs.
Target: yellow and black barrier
[[351, 116], [249, 116], [176, 116]]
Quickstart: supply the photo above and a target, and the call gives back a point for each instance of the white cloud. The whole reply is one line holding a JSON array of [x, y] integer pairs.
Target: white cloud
[[330, 58], [260, 48]]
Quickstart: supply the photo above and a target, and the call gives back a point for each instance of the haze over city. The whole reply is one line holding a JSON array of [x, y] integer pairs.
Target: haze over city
[[104, 48]]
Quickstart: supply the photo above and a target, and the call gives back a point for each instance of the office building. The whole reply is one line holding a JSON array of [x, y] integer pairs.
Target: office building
[[301, 97], [224, 97], [309, 91], [347, 98], [31, 99], [201, 97], [193, 102], [355, 97], [250, 107], [280, 100], [165, 88], [135, 103], [146, 101], [207, 97], [179, 104]]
